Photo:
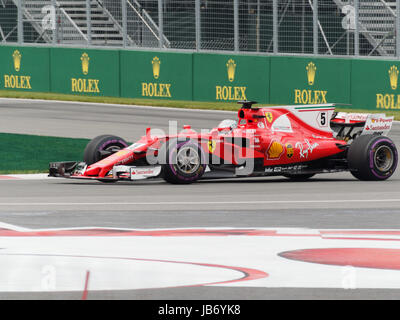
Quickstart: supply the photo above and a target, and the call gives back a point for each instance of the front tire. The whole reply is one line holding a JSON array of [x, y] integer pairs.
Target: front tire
[[101, 147], [372, 158], [185, 162]]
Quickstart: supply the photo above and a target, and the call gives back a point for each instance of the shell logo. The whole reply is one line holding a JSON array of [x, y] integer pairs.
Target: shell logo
[[275, 150]]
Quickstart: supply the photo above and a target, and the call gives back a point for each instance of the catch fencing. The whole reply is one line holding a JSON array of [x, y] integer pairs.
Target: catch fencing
[[272, 27]]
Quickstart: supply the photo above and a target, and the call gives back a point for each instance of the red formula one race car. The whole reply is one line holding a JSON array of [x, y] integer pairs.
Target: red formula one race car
[[293, 141]]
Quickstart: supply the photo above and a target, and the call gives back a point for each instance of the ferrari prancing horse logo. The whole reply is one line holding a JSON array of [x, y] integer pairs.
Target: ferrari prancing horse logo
[[269, 117], [212, 145]]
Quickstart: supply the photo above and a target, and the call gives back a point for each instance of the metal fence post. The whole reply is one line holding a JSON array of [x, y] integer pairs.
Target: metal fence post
[[160, 22], [315, 26], [398, 28], [198, 25], [303, 12], [236, 24], [89, 22], [55, 34], [356, 29], [258, 27], [275, 25], [20, 26], [124, 23]]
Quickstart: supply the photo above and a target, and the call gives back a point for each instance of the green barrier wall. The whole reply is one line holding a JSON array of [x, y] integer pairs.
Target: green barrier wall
[[361, 83], [24, 69], [375, 84], [228, 78], [156, 75], [82, 71], [309, 81]]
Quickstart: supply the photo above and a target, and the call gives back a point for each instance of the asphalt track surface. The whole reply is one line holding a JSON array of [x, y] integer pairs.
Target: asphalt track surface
[[327, 201]]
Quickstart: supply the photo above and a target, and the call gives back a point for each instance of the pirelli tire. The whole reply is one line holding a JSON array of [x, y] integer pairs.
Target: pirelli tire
[[184, 161], [102, 147], [372, 158]]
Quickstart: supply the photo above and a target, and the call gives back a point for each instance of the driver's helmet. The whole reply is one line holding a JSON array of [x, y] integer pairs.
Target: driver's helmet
[[228, 123]]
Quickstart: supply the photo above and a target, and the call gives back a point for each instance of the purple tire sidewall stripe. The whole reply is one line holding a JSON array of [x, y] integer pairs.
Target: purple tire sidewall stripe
[[171, 165], [102, 147], [371, 158]]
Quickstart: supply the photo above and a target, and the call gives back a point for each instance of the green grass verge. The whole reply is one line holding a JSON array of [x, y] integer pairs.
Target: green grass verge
[[229, 106], [128, 101], [22, 153]]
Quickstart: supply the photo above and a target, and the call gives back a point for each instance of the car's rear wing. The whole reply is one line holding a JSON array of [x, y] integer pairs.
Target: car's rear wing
[[371, 123], [349, 126]]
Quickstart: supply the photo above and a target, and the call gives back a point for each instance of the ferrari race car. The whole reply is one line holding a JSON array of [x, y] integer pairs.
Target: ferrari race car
[[293, 141]]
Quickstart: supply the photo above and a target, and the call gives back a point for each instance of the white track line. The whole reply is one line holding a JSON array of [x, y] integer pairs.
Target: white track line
[[16, 177], [185, 203]]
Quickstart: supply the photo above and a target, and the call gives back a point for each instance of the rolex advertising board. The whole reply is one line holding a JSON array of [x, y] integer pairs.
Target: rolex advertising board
[[229, 78], [156, 75], [360, 83], [83, 71], [24, 69], [297, 80], [375, 84]]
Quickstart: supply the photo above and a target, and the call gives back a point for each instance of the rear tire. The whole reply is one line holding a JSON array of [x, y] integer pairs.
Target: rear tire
[[372, 158], [101, 147]]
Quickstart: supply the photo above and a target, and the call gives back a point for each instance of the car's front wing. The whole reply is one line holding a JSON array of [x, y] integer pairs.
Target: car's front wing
[[76, 170]]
